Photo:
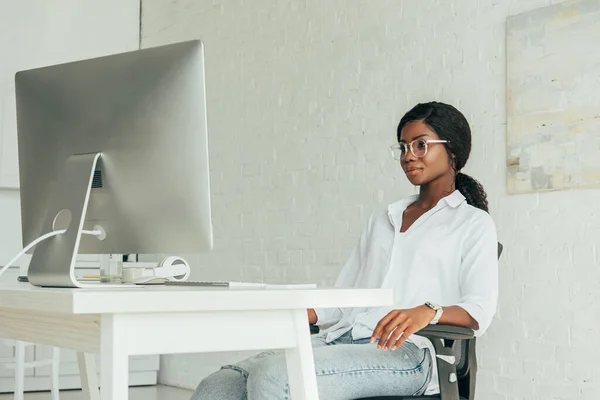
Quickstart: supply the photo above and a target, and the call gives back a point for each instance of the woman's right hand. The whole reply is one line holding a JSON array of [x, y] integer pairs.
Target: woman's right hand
[[312, 316]]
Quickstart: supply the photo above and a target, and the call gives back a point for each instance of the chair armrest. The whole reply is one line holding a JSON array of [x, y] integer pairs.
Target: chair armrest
[[450, 332], [443, 337], [434, 331]]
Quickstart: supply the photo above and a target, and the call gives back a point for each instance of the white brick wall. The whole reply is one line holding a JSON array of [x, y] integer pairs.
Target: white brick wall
[[304, 97]]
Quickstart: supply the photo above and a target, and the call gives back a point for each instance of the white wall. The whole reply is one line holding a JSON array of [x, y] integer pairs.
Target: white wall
[[10, 231], [37, 33], [303, 100]]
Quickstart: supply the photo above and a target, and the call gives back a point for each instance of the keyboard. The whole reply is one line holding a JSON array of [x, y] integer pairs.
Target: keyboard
[[214, 284], [241, 285]]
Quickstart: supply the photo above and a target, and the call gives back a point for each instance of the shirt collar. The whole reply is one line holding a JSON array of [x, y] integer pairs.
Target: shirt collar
[[396, 209], [455, 199]]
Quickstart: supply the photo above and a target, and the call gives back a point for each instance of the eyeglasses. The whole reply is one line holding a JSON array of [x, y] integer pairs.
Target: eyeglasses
[[399, 150]]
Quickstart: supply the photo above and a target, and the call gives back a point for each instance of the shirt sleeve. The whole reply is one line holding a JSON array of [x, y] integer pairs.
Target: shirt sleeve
[[479, 272], [327, 317]]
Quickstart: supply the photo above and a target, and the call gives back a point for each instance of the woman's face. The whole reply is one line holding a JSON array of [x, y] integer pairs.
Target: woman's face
[[433, 165]]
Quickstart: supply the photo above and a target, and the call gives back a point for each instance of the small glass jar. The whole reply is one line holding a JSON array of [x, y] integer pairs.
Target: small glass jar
[[111, 268]]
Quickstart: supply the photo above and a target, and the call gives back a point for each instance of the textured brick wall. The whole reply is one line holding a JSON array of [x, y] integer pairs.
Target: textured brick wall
[[303, 99]]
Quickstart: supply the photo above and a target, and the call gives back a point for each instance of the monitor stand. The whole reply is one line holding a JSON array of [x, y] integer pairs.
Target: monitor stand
[[53, 260]]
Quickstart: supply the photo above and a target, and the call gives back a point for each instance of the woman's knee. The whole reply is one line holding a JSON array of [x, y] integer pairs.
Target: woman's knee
[[227, 383], [268, 379]]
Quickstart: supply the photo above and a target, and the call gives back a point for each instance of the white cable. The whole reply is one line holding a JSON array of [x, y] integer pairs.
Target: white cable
[[92, 233], [41, 239]]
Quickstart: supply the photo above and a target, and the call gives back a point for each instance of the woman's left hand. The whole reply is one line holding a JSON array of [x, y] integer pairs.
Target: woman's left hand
[[398, 325]]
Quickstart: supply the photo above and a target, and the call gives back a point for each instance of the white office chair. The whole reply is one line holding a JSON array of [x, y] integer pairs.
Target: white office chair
[[18, 364]]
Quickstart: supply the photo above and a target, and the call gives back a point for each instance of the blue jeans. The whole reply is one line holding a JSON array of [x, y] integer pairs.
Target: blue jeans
[[346, 369]]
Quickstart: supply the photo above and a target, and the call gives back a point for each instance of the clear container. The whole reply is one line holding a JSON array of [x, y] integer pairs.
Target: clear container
[[111, 268]]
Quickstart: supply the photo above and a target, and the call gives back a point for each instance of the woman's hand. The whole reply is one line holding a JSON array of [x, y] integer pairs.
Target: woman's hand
[[397, 325]]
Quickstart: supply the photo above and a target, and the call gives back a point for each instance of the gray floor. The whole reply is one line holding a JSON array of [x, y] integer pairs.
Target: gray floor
[[138, 393]]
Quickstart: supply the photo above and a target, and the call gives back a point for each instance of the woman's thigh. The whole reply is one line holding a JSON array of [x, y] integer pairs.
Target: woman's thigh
[[348, 371], [362, 371]]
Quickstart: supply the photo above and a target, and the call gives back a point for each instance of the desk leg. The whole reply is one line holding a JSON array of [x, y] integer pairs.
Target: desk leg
[[54, 374], [88, 375], [300, 361], [114, 359], [19, 369]]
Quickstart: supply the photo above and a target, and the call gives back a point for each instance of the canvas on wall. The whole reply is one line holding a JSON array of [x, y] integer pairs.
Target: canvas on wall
[[553, 104]]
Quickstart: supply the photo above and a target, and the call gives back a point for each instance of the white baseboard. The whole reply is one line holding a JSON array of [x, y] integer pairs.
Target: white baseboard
[[42, 383]]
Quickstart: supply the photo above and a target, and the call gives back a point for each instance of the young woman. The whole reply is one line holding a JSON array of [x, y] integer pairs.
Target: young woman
[[437, 250]]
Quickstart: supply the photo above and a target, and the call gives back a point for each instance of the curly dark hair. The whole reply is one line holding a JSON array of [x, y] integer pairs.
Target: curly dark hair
[[451, 125]]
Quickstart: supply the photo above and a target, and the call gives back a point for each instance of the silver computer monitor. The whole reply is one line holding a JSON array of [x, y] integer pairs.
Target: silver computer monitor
[[118, 142]]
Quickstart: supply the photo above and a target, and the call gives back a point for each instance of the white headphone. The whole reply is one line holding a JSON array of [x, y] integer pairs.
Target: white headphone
[[172, 268]]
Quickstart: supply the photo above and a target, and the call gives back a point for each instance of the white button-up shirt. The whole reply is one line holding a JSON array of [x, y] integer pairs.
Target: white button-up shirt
[[448, 256]]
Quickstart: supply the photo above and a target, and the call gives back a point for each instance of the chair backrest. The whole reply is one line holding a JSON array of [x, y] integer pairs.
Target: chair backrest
[[462, 357]]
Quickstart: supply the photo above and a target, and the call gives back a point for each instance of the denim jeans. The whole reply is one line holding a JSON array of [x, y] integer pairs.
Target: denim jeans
[[346, 369]]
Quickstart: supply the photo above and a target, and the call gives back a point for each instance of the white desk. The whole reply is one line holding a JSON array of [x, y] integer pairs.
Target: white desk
[[117, 323]]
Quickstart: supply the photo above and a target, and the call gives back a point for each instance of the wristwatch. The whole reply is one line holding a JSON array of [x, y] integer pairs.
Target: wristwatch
[[438, 312]]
